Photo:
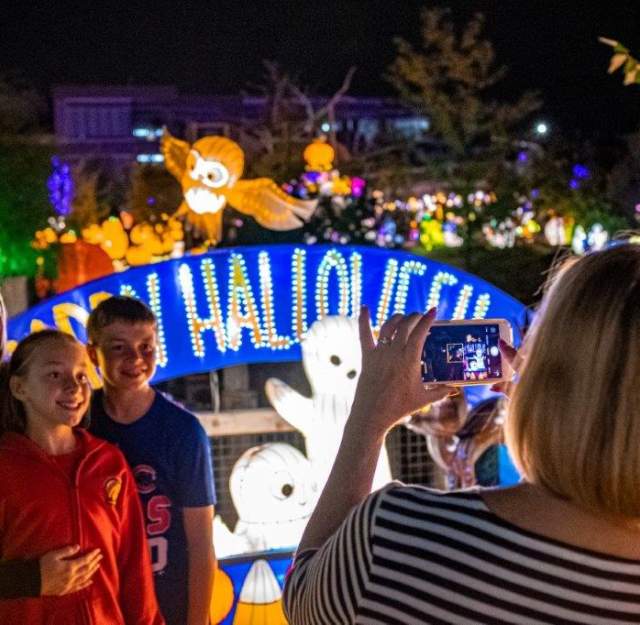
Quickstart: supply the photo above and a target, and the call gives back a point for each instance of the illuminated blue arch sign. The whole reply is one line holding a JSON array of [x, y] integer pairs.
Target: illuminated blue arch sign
[[254, 304]]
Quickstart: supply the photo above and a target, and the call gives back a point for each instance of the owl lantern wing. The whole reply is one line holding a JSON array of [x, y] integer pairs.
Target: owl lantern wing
[[269, 205], [175, 153]]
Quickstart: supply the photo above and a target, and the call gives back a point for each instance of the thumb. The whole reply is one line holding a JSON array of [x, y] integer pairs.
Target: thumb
[[437, 392], [65, 552]]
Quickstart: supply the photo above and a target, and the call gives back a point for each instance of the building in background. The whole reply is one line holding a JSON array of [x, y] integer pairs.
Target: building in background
[[119, 125]]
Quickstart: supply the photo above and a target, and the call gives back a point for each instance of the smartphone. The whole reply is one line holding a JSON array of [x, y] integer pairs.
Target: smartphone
[[466, 352]]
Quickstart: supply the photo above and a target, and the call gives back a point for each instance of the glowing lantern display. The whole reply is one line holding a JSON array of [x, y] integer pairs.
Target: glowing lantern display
[[319, 156], [222, 597], [555, 231], [332, 361], [260, 600], [273, 491], [209, 173]]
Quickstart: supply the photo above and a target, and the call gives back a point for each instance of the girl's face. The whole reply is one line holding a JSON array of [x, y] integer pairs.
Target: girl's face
[[54, 389]]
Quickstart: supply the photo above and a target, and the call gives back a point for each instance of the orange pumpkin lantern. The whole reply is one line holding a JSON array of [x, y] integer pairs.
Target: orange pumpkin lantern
[[319, 156]]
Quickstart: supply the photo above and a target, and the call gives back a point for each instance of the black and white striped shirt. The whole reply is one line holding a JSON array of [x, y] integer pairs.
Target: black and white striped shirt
[[410, 555]]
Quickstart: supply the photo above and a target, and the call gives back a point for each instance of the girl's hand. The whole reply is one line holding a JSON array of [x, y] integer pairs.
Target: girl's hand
[[390, 385], [510, 354], [61, 575]]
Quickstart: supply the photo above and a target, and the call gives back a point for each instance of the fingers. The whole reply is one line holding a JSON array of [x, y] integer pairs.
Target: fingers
[[389, 328], [364, 328], [65, 552], [76, 588], [421, 330], [437, 392], [510, 354], [84, 570], [88, 563], [406, 327]]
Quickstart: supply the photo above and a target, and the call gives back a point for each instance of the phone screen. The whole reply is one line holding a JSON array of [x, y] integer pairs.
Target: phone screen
[[462, 353]]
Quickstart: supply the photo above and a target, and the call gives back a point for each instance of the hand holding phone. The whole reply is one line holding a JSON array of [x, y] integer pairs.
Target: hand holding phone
[[466, 352]]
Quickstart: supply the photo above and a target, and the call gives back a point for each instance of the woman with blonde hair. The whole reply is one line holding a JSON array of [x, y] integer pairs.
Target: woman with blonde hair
[[563, 546]]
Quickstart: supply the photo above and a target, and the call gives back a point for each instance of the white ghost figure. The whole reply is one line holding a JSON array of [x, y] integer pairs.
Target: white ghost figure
[[332, 361], [273, 492]]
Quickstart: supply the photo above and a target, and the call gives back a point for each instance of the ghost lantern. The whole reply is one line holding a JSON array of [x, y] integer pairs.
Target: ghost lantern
[[332, 361], [209, 172], [274, 494]]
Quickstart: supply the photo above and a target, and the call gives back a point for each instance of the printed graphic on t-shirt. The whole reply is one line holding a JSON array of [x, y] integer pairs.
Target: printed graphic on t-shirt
[[157, 511]]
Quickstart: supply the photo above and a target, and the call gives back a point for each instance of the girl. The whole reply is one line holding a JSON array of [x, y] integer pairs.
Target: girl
[[60, 486]]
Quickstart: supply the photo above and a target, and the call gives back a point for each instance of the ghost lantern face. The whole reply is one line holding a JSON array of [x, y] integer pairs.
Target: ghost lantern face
[[332, 357], [272, 483]]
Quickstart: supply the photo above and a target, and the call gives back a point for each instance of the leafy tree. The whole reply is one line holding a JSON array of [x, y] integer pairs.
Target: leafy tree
[[152, 192], [24, 205], [292, 119], [449, 78], [85, 206]]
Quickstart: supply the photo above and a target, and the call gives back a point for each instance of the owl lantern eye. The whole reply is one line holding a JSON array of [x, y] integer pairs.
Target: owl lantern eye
[[214, 174]]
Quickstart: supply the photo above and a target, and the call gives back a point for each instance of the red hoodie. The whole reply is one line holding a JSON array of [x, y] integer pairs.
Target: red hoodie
[[42, 509]]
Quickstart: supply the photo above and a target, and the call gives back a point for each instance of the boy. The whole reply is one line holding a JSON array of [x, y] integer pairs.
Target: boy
[[168, 451]]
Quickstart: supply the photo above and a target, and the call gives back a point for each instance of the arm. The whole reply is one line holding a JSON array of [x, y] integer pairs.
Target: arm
[[389, 388], [197, 498], [327, 585], [55, 573], [198, 528], [19, 578], [137, 593]]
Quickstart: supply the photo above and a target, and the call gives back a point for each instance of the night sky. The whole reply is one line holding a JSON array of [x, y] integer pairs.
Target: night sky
[[217, 47]]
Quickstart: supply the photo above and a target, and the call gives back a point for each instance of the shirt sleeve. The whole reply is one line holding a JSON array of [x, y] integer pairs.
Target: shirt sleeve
[[19, 578], [327, 585], [194, 469]]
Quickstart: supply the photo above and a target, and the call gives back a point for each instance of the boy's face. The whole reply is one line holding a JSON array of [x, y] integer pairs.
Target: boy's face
[[126, 354]]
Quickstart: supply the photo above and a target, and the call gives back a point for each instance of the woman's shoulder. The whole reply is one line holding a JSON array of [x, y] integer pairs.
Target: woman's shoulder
[[417, 495], [398, 504]]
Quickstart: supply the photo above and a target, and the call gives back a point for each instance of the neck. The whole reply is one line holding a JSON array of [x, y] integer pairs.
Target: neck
[[60, 440], [127, 406]]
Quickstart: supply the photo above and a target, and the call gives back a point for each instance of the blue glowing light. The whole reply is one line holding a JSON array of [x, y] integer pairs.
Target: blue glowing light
[[60, 186], [581, 172], [150, 158]]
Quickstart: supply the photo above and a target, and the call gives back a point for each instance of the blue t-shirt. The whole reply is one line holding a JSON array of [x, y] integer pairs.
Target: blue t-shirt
[[170, 456]]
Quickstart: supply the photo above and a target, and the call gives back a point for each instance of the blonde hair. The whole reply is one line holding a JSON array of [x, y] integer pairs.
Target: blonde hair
[[573, 424]]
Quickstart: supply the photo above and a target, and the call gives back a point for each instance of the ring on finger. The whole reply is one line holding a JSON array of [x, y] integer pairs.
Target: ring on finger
[[384, 340]]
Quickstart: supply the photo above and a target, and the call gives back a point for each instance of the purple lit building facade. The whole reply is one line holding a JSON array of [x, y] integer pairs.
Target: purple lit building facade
[[122, 124]]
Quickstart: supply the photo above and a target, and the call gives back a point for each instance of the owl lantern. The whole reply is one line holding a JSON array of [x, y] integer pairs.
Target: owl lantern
[[209, 172]]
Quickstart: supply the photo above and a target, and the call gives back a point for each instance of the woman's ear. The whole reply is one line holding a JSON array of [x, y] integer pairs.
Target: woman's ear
[[16, 387]]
